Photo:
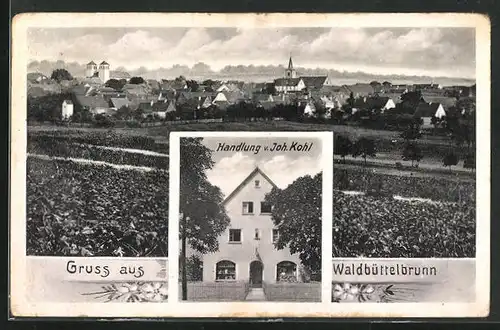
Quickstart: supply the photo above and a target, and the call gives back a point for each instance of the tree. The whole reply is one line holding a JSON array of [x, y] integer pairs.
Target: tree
[[412, 152], [412, 132], [193, 85], [60, 75], [139, 114], [115, 84], [364, 147], [450, 160], [82, 116], [342, 146], [194, 268], [123, 113], [320, 111], [342, 179], [101, 120], [270, 89], [296, 211], [470, 161], [136, 80], [202, 215], [47, 107]]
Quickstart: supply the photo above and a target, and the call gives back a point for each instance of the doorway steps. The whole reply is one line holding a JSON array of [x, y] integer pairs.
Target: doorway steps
[[256, 294]]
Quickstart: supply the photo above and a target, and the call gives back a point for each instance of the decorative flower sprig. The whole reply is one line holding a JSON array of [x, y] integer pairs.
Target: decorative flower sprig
[[133, 292], [352, 292]]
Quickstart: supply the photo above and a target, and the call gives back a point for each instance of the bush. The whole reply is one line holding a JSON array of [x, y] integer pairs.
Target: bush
[[88, 210], [101, 120], [384, 227], [437, 189], [133, 124]]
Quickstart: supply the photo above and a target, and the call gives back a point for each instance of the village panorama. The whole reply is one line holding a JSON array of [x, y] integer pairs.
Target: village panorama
[[98, 159]]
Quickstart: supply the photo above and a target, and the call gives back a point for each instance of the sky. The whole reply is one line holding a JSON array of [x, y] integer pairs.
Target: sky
[[446, 52], [231, 168]]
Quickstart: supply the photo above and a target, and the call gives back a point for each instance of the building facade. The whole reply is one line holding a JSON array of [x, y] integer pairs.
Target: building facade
[[104, 71], [67, 109], [246, 248], [91, 69]]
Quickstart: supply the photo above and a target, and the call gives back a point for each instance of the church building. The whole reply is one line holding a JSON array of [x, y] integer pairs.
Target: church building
[[292, 82], [103, 71], [246, 248]]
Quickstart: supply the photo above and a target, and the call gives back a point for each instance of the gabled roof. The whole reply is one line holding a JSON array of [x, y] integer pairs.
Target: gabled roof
[[91, 63], [256, 171], [119, 102], [426, 109], [286, 81], [262, 97], [146, 106], [91, 101], [362, 89], [371, 103], [334, 90], [447, 102], [119, 75], [233, 96], [314, 81], [104, 63]]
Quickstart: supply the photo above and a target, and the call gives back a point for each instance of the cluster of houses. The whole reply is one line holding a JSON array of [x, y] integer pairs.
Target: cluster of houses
[[158, 98]]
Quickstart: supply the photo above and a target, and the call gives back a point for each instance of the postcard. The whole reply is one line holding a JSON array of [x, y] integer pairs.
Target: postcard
[[250, 165]]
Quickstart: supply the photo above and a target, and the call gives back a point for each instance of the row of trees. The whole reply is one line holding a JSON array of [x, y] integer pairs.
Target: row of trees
[[366, 147]]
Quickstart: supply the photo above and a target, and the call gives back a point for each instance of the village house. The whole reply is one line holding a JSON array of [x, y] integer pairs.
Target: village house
[[340, 93], [119, 75], [177, 84], [431, 86], [234, 96], [315, 83], [166, 95], [161, 109], [330, 102], [36, 77], [376, 103], [446, 102], [262, 97], [284, 85], [426, 111], [360, 90], [119, 102], [67, 109], [94, 104], [246, 248]]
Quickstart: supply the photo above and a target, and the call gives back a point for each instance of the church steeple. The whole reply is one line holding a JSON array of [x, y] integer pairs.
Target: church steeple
[[290, 71]]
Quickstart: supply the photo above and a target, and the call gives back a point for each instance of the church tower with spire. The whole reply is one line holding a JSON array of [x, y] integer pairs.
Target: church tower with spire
[[290, 71]]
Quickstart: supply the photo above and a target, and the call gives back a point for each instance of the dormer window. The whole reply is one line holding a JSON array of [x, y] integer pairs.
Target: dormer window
[[257, 183]]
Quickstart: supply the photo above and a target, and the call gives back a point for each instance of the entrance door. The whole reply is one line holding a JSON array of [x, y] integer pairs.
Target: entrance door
[[256, 274]]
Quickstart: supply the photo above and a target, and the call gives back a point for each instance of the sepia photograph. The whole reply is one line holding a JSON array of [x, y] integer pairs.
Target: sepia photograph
[[250, 218], [188, 160]]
